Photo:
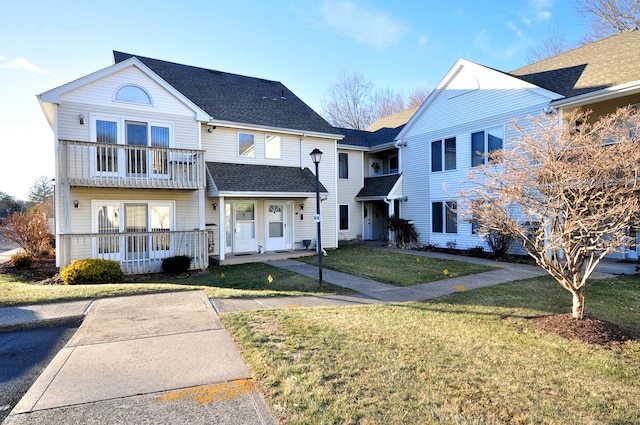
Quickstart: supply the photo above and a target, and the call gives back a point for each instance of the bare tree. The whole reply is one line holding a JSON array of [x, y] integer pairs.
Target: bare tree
[[385, 102], [568, 195], [352, 102], [553, 43], [608, 17], [27, 230], [346, 103], [417, 97]]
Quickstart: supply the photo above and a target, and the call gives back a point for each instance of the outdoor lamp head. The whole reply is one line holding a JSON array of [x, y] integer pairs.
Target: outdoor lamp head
[[316, 155]]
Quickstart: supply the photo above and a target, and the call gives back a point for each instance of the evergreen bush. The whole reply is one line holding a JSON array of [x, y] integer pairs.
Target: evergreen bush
[[176, 264], [92, 270]]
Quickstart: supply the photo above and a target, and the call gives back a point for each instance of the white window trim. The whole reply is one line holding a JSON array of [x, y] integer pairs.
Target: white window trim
[[266, 136], [486, 140], [338, 174], [238, 144], [121, 203], [115, 93], [348, 229]]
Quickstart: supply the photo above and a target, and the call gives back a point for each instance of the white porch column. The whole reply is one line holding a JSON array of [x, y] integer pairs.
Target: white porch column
[[222, 231]]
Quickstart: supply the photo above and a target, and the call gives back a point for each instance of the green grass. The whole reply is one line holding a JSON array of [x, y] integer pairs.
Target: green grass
[[247, 280], [468, 358], [392, 267]]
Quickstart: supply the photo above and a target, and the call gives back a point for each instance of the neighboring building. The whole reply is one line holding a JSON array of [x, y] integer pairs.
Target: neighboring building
[[155, 159], [470, 111], [369, 179]]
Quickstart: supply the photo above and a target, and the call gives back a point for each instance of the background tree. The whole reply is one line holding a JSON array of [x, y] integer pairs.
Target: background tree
[[602, 17], [9, 205], [353, 102], [569, 198], [553, 43], [346, 103], [41, 192], [608, 17]]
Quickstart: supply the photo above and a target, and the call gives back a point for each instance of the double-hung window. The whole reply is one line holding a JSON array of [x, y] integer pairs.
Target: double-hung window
[[444, 217], [246, 145], [484, 142], [343, 166], [443, 154], [344, 217]]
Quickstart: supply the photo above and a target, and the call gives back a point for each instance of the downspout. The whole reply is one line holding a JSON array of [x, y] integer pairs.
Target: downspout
[[301, 150], [390, 212]]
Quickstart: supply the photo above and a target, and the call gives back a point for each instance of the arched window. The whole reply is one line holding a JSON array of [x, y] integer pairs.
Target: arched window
[[133, 94]]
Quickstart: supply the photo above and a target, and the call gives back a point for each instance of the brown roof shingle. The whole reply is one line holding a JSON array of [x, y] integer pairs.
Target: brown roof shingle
[[605, 63]]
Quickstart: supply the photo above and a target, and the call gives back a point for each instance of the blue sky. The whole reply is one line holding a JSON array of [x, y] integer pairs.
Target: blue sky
[[305, 44]]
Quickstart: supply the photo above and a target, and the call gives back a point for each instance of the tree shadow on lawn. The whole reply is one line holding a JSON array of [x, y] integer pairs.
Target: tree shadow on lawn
[[527, 298]]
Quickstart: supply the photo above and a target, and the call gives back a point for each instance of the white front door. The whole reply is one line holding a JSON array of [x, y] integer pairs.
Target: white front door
[[278, 225], [368, 225], [244, 232]]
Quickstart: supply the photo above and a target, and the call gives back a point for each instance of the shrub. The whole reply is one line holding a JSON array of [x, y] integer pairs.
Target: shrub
[[499, 243], [21, 260], [91, 270], [405, 233], [177, 264], [476, 251], [27, 230]]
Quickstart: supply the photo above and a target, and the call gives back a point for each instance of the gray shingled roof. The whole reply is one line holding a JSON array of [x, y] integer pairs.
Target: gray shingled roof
[[375, 187], [379, 133], [605, 63], [368, 139], [236, 98], [262, 178]]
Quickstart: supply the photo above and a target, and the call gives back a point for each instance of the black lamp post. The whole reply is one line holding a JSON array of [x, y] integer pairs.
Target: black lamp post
[[316, 155]]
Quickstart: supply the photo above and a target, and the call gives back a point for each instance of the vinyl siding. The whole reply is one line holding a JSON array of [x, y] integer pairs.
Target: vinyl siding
[[186, 205], [460, 109], [347, 191], [102, 93]]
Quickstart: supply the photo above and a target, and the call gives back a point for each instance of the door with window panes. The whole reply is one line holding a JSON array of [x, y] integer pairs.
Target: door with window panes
[[133, 231]]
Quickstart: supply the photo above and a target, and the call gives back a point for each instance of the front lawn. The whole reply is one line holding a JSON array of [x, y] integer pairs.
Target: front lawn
[[396, 268], [473, 357], [247, 280]]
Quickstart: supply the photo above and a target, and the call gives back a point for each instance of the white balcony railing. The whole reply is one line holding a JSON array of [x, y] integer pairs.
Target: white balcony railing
[[137, 252], [114, 165]]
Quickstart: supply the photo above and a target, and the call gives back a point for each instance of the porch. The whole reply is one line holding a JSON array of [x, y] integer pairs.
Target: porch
[[256, 257], [137, 252], [115, 165]]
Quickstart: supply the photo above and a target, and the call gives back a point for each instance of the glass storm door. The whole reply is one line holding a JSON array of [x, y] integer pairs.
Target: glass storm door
[[245, 227], [277, 226], [136, 155], [136, 219]]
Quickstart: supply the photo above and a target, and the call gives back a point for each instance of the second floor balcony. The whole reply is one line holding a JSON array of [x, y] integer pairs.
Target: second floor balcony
[[113, 165]]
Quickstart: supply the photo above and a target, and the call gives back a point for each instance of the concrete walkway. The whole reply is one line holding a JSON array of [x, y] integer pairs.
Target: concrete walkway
[[148, 359]]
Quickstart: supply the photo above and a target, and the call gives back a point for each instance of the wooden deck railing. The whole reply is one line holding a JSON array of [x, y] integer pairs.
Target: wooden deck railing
[[114, 165]]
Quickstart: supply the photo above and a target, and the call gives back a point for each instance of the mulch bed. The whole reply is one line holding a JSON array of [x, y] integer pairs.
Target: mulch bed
[[589, 330]]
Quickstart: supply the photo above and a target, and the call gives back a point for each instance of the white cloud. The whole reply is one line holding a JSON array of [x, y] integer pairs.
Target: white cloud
[[540, 9], [423, 40], [363, 25], [543, 15], [21, 64], [514, 28]]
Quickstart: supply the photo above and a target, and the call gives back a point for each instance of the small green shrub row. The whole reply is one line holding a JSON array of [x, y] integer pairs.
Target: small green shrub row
[[176, 264], [92, 270], [21, 260]]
